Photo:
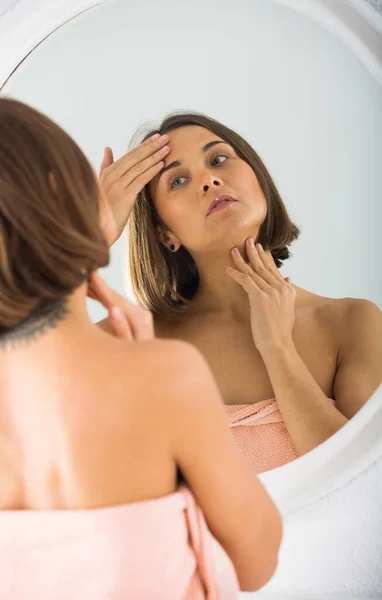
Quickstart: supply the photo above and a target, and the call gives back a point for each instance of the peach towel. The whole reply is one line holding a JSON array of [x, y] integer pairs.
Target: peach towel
[[261, 435], [151, 550]]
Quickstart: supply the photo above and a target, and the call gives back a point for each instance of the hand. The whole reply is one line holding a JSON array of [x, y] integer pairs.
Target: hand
[[123, 179], [271, 297], [127, 320]]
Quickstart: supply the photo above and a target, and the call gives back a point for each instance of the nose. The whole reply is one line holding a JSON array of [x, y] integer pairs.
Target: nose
[[208, 181]]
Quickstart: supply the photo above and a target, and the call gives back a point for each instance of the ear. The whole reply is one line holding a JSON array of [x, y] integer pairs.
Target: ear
[[167, 238]]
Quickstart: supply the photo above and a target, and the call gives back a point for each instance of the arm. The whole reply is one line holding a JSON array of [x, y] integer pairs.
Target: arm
[[308, 416], [359, 370], [239, 511], [307, 413]]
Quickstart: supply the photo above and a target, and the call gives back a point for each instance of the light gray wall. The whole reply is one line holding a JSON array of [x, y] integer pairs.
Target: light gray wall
[[296, 93]]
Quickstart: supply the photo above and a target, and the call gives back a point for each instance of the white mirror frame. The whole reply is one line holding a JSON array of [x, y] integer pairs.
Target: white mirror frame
[[23, 26]]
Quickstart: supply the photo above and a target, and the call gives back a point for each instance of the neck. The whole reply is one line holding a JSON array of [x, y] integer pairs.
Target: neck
[[217, 291], [49, 322]]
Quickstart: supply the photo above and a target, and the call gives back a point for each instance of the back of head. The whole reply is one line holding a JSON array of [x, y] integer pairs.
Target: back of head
[[50, 235]]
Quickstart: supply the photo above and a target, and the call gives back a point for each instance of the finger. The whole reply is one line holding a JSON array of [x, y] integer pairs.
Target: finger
[[142, 324], [138, 319], [103, 292], [266, 278], [107, 160], [139, 183], [91, 294], [268, 262], [255, 260], [119, 324], [245, 280], [91, 291], [142, 152], [140, 169]]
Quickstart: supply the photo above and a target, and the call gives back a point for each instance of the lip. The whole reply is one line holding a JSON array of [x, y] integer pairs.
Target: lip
[[218, 199]]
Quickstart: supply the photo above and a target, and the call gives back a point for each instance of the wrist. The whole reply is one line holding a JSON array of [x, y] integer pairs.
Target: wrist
[[277, 349]]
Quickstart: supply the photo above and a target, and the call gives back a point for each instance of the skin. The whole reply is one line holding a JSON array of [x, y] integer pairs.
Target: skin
[[183, 205], [83, 426], [306, 348]]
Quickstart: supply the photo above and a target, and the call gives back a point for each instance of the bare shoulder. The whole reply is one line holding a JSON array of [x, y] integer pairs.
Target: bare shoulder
[[162, 352], [158, 368], [360, 324], [341, 313], [163, 359], [173, 362], [359, 308], [167, 372], [350, 314]]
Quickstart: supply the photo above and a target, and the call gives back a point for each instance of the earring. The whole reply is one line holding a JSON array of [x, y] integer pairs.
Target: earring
[[172, 247]]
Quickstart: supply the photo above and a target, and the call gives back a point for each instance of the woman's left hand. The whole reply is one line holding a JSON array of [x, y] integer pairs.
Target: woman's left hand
[[271, 297]]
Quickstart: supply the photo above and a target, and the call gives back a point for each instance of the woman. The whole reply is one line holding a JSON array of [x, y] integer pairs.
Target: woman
[[94, 428], [286, 390]]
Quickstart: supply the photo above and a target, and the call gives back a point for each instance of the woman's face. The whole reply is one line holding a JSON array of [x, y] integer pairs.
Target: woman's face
[[199, 168]]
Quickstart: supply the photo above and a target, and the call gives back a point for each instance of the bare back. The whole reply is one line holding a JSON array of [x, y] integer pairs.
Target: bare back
[[113, 422], [81, 427]]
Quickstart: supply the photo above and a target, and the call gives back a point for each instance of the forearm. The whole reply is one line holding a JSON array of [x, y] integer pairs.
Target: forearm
[[309, 416]]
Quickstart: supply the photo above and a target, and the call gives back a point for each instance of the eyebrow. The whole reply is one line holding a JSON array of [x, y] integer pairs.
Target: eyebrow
[[177, 163]]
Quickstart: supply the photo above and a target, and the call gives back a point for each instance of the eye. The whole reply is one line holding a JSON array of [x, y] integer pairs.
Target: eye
[[174, 181], [216, 156]]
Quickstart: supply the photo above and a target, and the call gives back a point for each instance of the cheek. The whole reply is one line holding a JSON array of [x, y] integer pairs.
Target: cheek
[[176, 209], [160, 205], [261, 202], [170, 214], [249, 183], [250, 180]]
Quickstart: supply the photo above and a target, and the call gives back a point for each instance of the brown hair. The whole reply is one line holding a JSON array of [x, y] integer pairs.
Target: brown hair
[[164, 281], [49, 213]]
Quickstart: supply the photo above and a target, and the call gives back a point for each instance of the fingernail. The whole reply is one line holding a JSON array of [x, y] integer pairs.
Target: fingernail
[[260, 247], [164, 138], [251, 242], [164, 149], [155, 136], [116, 314], [236, 251]]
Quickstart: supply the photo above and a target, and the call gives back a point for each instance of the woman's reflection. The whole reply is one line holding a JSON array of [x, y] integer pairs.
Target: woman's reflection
[[292, 366]]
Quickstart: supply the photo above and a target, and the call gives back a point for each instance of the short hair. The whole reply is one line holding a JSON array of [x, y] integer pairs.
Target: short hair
[[164, 281]]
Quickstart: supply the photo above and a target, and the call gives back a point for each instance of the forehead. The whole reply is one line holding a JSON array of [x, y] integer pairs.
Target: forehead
[[189, 133], [189, 137]]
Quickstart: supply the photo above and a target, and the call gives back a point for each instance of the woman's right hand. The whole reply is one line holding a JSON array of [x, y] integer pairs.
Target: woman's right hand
[[125, 319], [123, 179]]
